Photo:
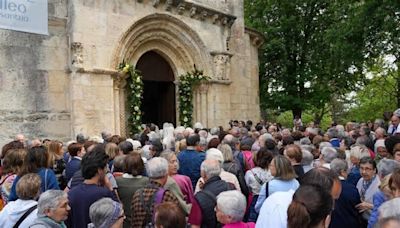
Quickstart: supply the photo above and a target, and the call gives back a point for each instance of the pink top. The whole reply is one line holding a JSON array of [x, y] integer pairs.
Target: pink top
[[185, 184], [240, 225]]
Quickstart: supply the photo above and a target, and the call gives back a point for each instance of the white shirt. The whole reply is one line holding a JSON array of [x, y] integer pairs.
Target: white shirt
[[273, 212]]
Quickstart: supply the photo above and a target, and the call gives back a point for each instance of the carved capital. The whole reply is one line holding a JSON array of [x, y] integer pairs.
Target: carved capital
[[77, 55]]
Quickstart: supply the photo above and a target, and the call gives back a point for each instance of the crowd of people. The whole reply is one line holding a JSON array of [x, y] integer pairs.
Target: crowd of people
[[250, 175]]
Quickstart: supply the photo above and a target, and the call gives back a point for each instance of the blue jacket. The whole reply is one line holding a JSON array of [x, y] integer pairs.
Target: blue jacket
[[378, 199], [345, 213], [73, 165], [354, 176], [48, 178], [189, 164]]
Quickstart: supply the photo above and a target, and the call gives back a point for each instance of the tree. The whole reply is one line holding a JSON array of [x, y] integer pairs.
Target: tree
[[383, 35], [313, 50]]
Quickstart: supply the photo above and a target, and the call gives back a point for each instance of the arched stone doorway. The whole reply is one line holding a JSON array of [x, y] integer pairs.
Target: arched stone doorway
[[158, 103]]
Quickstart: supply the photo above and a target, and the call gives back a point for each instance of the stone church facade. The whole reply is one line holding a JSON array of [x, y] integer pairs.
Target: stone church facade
[[66, 83]]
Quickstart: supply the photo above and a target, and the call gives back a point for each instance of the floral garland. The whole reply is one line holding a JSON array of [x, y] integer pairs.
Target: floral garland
[[187, 83], [135, 92]]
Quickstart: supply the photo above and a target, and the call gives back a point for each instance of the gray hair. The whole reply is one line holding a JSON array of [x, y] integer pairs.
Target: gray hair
[[328, 154], [332, 133], [211, 168], [214, 131], [359, 151], [390, 208], [308, 158], [386, 166], [232, 203], [324, 144], [157, 168], [305, 141], [102, 212], [49, 200], [338, 165], [203, 142]]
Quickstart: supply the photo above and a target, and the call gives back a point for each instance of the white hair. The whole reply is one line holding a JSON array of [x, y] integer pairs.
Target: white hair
[[198, 125], [232, 203], [324, 144], [338, 165], [359, 152], [211, 168], [135, 143], [390, 208], [157, 168], [308, 158], [96, 139], [50, 200], [102, 212], [216, 154]]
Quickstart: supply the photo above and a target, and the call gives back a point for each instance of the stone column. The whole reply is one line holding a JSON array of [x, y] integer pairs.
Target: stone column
[[119, 103]]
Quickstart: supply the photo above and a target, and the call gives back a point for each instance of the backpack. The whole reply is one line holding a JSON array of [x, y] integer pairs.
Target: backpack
[[248, 160], [154, 200]]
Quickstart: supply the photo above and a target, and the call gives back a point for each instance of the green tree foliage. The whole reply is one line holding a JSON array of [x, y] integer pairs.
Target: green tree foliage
[[377, 97], [383, 34], [313, 49]]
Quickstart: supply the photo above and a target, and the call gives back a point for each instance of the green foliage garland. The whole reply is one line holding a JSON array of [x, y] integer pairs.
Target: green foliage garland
[[187, 83], [135, 92]]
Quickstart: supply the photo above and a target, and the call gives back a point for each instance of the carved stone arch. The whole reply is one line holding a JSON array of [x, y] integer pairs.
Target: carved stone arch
[[171, 38]]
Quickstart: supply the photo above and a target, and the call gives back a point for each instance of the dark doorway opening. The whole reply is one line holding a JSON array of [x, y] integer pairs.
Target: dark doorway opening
[[158, 103]]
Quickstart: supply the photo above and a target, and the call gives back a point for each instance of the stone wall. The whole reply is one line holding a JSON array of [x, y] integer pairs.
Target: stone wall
[[66, 83], [34, 85]]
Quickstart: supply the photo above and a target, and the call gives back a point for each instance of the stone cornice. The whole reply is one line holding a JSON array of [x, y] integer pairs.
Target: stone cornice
[[193, 10], [256, 37]]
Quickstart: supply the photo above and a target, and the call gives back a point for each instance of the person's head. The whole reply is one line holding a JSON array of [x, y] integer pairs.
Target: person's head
[[133, 164], [308, 157], [390, 222], [36, 158], [328, 154], [119, 163], [357, 152], [215, 154], [394, 183], [339, 167], [395, 120], [281, 168], [293, 153], [28, 187], [246, 143], [173, 162], [263, 158], [213, 143], [14, 161], [390, 208], [231, 206], [157, 169], [125, 147], [76, 149], [367, 168], [169, 215], [112, 150], [386, 167], [156, 147], [226, 152], [210, 168], [193, 140], [396, 152], [54, 205], [56, 148], [311, 207], [94, 163], [324, 178], [105, 212]]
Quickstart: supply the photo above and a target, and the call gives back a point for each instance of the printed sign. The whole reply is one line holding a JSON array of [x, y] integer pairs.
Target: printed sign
[[24, 15]]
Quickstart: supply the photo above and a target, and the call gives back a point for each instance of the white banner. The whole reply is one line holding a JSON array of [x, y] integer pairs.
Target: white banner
[[24, 15]]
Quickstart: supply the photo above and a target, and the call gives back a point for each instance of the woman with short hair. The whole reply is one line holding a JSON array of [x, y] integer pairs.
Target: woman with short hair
[[106, 213], [230, 209], [12, 164], [129, 182], [169, 215], [28, 190]]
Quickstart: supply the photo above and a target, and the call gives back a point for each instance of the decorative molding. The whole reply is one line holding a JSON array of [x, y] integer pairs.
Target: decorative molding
[[76, 55], [193, 10], [256, 38], [99, 71]]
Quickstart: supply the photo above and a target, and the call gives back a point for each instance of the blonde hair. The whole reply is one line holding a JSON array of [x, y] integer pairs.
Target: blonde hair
[[28, 187], [226, 152], [112, 150]]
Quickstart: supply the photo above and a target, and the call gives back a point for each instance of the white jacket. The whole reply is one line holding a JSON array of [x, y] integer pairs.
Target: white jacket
[[14, 210]]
